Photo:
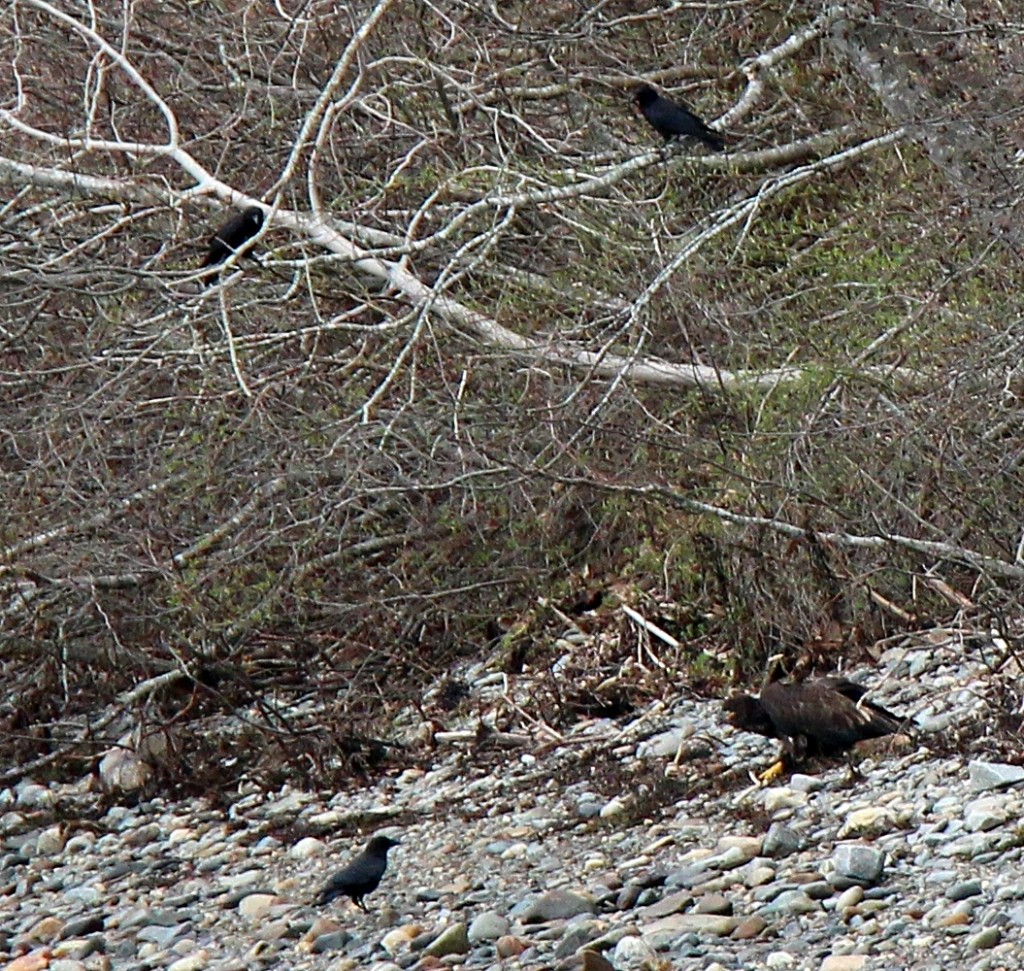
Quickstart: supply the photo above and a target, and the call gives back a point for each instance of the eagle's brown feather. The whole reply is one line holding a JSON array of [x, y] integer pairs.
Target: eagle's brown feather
[[817, 717]]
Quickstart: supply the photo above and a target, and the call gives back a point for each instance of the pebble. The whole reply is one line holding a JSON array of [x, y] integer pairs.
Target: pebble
[[989, 937], [488, 926], [859, 863], [633, 952], [994, 775], [452, 940], [308, 848], [781, 841], [869, 821], [961, 891], [844, 962], [556, 905]]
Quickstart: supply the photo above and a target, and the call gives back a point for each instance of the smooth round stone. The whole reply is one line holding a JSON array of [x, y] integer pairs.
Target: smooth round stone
[[759, 876], [750, 928], [30, 795], [778, 799], [633, 952], [50, 841], [982, 815], [488, 926], [844, 962], [850, 898], [509, 946], [872, 821], [611, 809], [331, 941], [780, 959], [713, 903], [256, 906], [81, 926], [400, 938], [961, 891], [791, 902], [781, 841], [46, 930], [581, 931], [984, 939], [452, 940], [65, 964], [665, 745], [308, 848], [193, 962], [557, 905], [89, 896], [163, 936]]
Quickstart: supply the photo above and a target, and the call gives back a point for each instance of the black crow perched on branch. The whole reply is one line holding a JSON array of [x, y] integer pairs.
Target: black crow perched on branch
[[671, 120], [360, 875], [231, 237]]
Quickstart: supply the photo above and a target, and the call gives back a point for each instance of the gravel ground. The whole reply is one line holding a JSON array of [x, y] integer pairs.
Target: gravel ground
[[630, 844]]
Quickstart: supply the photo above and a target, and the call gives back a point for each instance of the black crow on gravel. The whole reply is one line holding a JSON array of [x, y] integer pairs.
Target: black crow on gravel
[[671, 120], [360, 875], [231, 237]]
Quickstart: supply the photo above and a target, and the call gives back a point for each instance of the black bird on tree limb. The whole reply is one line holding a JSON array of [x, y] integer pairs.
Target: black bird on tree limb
[[672, 120], [822, 716], [360, 875], [231, 237]]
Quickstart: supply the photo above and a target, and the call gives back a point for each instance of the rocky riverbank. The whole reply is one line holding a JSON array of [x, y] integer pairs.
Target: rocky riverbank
[[635, 843]]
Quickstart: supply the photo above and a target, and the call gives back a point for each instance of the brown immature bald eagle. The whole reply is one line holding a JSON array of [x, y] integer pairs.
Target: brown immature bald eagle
[[822, 716]]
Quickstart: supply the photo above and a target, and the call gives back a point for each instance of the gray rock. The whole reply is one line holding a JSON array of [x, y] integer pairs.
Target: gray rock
[[488, 926], [818, 890], [713, 903], [732, 857], [665, 745], [588, 809], [984, 939], [628, 896], [858, 862], [961, 891], [633, 953], [611, 809], [163, 936], [556, 905], [790, 902], [452, 940], [661, 933], [994, 775], [81, 926], [984, 814], [780, 841], [331, 941], [669, 904], [581, 931], [688, 877]]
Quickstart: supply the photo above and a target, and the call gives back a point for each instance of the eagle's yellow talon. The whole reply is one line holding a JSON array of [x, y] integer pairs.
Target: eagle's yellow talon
[[772, 773]]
